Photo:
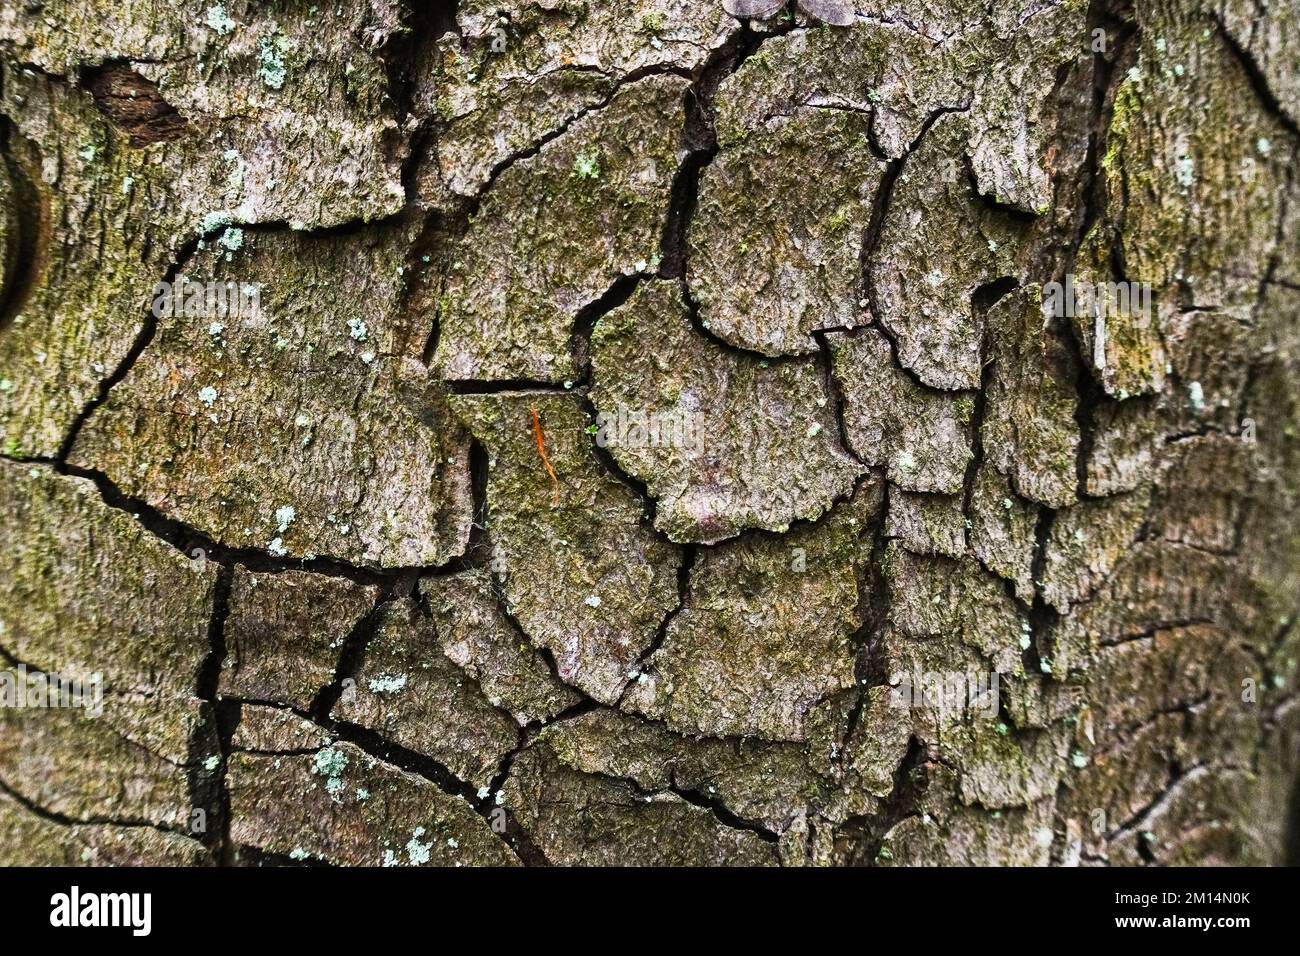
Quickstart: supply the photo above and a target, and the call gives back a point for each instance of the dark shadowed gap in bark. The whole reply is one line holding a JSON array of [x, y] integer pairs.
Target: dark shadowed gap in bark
[[30, 220], [133, 104]]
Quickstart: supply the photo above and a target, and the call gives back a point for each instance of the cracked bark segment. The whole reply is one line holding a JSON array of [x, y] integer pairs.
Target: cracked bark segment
[[1003, 531], [1211, 354], [519, 71], [131, 764], [766, 632], [1197, 669], [28, 839], [585, 819], [920, 437], [774, 253], [585, 576], [252, 84], [95, 237], [875, 748], [1014, 112], [1191, 153], [926, 523], [474, 633], [264, 730], [1271, 804], [1206, 493], [555, 232], [883, 69], [1267, 31], [945, 20], [299, 424], [1156, 583], [407, 690], [1037, 701], [998, 770], [1087, 541], [1196, 823], [946, 833], [1125, 440], [935, 598], [1029, 430], [763, 783], [1161, 706], [970, 837], [679, 413], [284, 633], [1121, 328], [340, 805], [938, 246], [85, 589]]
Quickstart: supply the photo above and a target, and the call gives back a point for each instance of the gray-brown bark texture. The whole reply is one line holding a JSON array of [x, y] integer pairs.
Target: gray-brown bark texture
[[638, 408]]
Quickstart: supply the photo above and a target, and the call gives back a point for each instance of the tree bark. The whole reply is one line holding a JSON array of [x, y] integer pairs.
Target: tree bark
[[555, 432]]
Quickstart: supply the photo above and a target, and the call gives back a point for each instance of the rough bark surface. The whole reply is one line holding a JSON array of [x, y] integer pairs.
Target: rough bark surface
[[391, 568]]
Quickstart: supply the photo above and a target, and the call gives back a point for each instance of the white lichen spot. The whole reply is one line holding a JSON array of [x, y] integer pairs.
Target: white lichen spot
[[297, 853], [232, 239], [417, 852], [1263, 146], [208, 396], [1185, 171], [388, 683], [219, 20], [284, 517], [814, 429], [270, 58], [276, 548], [592, 600], [587, 165], [330, 764], [1196, 396]]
